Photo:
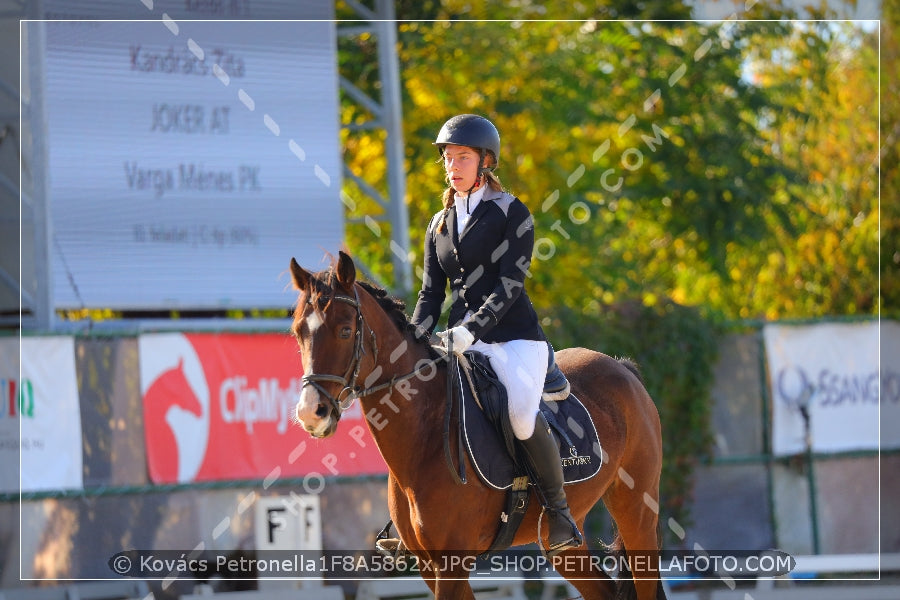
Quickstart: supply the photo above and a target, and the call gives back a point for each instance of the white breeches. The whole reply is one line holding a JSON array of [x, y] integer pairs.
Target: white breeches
[[522, 366]]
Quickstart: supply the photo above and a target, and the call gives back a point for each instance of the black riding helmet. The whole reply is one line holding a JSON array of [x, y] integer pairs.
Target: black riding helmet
[[473, 131]]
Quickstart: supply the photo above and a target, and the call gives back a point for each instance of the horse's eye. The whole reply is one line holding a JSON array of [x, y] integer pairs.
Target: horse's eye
[[345, 333]]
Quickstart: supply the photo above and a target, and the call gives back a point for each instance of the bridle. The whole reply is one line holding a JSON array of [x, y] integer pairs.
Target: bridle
[[350, 390]]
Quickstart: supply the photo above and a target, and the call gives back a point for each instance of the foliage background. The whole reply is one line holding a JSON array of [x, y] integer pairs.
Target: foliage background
[[682, 174]]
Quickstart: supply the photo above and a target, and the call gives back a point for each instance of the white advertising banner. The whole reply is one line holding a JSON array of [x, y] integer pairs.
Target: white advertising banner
[[188, 161], [41, 413], [832, 369]]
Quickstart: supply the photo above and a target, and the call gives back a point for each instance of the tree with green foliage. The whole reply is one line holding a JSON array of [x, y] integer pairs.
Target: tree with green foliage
[[698, 160]]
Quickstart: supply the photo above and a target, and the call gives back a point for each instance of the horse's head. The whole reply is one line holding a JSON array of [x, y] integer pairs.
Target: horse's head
[[328, 328]]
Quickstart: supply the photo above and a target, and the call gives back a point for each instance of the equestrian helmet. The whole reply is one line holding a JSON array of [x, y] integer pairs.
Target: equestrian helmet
[[470, 130]]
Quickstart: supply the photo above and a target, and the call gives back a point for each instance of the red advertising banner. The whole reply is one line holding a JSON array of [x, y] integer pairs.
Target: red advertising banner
[[220, 406]]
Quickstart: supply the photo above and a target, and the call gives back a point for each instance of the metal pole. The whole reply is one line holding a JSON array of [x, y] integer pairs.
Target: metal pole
[[391, 102], [34, 36], [811, 480], [766, 433]]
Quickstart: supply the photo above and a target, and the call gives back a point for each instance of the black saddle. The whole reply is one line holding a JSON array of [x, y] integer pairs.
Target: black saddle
[[487, 434]]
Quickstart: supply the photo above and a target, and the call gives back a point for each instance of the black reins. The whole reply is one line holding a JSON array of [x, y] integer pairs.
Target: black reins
[[459, 473]]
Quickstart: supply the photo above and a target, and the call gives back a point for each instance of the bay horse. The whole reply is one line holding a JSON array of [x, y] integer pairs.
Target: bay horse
[[357, 342]]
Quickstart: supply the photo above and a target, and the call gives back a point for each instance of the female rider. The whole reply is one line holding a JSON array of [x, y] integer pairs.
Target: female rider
[[481, 243]]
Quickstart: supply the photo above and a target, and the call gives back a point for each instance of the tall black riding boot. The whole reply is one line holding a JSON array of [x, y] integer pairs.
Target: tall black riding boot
[[542, 453]]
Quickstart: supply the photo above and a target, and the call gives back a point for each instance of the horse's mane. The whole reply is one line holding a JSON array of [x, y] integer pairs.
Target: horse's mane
[[396, 310], [321, 292]]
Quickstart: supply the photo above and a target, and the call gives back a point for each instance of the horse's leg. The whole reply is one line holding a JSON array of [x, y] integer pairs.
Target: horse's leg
[[425, 566], [453, 589], [452, 582], [446, 575], [635, 514], [398, 504], [582, 570]]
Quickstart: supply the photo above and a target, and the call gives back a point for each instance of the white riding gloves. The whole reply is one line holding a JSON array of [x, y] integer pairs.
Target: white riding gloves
[[461, 336]]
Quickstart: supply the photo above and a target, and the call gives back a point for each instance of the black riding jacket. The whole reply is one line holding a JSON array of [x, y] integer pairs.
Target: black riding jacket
[[486, 265]]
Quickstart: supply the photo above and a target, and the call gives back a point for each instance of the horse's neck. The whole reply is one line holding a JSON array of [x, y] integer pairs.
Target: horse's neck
[[405, 421], [406, 426]]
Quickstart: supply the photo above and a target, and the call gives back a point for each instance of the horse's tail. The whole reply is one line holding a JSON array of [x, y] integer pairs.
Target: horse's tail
[[625, 589], [631, 366]]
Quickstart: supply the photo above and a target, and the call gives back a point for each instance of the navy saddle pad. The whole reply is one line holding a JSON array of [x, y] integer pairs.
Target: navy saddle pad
[[579, 444]]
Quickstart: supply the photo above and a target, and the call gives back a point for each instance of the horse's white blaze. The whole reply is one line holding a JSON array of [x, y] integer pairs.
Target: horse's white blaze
[[308, 404], [313, 321]]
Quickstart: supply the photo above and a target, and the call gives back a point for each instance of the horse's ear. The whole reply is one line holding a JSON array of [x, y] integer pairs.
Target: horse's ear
[[346, 271], [300, 277]]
